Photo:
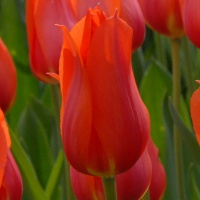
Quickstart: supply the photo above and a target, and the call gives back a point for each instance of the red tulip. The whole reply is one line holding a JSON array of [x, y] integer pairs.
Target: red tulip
[[158, 180], [163, 16], [10, 178], [45, 39], [8, 78], [191, 20], [195, 114], [104, 123], [131, 184], [128, 10]]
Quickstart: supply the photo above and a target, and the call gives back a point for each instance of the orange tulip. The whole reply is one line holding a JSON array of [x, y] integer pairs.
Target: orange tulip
[[8, 78], [10, 178], [131, 184], [195, 114], [104, 123], [45, 39], [158, 180], [128, 10], [191, 20], [163, 16]]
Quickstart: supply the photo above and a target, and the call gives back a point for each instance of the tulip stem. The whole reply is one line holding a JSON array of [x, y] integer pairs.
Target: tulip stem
[[188, 70], [109, 188], [176, 101]]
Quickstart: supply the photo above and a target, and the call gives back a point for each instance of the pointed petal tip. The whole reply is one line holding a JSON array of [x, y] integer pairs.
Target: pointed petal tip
[[54, 75], [198, 81]]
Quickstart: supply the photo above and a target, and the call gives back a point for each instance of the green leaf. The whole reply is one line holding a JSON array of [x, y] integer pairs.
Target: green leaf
[[55, 175], [27, 170], [186, 134], [35, 139], [154, 86], [13, 31]]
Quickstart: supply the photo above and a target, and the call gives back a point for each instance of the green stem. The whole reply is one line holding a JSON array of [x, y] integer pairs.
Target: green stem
[[176, 101], [161, 55], [188, 70], [109, 188]]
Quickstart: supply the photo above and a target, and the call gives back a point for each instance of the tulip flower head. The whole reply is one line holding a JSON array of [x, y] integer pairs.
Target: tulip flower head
[[131, 184], [158, 180], [195, 114], [8, 78], [163, 16], [45, 40], [104, 123], [191, 20], [10, 178]]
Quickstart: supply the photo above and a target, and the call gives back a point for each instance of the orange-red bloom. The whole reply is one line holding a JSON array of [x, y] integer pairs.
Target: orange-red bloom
[[8, 78], [131, 184], [191, 20], [158, 180], [163, 16], [45, 39], [104, 123], [195, 114], [10, 178]]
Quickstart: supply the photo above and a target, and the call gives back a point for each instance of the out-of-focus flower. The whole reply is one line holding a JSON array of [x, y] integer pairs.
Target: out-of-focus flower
[[8, 78], [158, 180], [10, 178], [195, 114], [191, 20], [45, 39], [104, 123], [163, 16], [131, 184]]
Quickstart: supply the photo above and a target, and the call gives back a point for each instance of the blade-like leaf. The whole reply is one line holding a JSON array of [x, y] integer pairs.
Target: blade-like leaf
[[27, 170]]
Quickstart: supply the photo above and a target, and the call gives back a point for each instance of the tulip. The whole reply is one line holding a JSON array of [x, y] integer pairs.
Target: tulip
[[195, 114], [191, 20], [158, 180], [131, 184], [8, 78], [163, 16], [104, 123], [45, 40], [10, 178], [128, 10]]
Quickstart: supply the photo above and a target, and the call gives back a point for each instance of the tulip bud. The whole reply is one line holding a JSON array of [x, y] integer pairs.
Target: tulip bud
[[158, 180], [131, 184], [195, 114], [44, 38], [191, 20], [163, 16], [8, 78], [104, 123], [10, 178]]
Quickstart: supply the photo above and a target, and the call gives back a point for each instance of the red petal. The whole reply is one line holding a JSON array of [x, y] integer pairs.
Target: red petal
[[12, 182], [195, 112], [8, 78], [76, 104], [120, 119]]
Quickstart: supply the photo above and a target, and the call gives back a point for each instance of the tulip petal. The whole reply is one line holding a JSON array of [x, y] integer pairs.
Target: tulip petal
[[195, 112], [8, 78], [12, 182], [3, 153], [86, 187], [133, 183], [119, 116], [76, 103]]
